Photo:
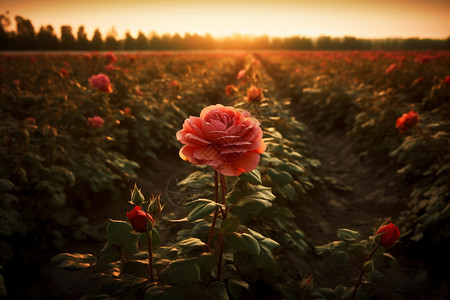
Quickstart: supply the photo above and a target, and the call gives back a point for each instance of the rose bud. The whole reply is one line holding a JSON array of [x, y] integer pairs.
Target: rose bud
[[139, 219], [388, 235]]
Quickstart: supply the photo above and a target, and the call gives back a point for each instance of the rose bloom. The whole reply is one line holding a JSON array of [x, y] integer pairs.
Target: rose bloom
[[447, 80], [224, 138], [111, 57], [389, 234], [63, 72], [407, 121], [96, 122], [109, 68], [254, 94], [391, 68], [127, 111], [241, 74], [138, 219], [101, 82], [231, 90], [30, 123]]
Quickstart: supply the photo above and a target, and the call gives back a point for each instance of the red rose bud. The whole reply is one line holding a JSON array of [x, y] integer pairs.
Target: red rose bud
[[388, 235], [254, 94], [138, 219], [407, 121]]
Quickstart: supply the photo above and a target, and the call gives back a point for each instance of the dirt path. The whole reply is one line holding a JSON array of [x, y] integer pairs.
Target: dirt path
[[359, 195]]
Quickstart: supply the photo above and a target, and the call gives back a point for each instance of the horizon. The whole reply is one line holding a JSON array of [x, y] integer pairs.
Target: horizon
[[373, 20]]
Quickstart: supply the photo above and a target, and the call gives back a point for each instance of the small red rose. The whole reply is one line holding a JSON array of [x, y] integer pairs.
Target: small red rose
[[389, 234], [407, 121], [139, 218]]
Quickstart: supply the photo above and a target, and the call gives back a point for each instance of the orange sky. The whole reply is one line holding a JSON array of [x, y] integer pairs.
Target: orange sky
[[360, 18]]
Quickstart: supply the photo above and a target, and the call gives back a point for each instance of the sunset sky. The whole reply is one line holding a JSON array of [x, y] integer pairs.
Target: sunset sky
[[359, 18]]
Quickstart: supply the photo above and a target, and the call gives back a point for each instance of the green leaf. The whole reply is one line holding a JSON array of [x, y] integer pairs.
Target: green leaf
[[243, 242], [253, 177], [217, 290], [188, 245], [164, 292], [207, 262], [136, 268], [73, 261], [235, 287], [200, 208], [262, 240], [120, 233], [6, 186], [229, 225], [281, 178], [341, 256], [265, 259], [108, 254], [348, 235], [182, 272], [3, 292]]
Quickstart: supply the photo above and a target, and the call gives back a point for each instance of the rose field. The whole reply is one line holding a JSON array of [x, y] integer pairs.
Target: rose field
[[225, 175]]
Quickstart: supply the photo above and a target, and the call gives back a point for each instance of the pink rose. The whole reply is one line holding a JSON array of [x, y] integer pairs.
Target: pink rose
[[101, 82], [111, 57], [241, 74], [224, 138], [96, 122]]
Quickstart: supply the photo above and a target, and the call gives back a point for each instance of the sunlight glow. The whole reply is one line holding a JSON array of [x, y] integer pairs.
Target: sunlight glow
[[370, 19]]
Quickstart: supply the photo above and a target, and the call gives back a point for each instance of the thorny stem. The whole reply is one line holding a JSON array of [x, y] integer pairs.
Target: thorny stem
[[358, 283], [224, 216], [216, 198], [150, 256]]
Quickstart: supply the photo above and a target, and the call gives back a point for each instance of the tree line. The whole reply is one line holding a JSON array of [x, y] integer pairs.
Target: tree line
[[24, 37]]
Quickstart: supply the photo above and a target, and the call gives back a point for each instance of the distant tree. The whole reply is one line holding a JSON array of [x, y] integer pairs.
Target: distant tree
[[82, 40], [325, 43], [111, 42], [46, 38], [129, 42], [67, 38], [5, 38], [176, 42], [26, 36], [141, 41], [97, 42], [154, 42]]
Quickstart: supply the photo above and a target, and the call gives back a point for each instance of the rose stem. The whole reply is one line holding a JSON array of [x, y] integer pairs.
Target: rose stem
[[150, 256], [216, 198], [369, 257], [224, 216]]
